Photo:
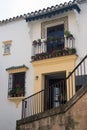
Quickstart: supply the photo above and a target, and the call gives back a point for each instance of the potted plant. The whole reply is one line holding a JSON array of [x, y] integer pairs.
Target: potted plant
[[39, 41], [65, 51], [46, 55], [18, 89], [11, 93], [72, 51], [34, 43], [68, 34], [58, 52]]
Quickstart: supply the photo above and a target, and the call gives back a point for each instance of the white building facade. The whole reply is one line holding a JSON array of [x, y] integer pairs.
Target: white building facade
[[16, 50], [15, 33]]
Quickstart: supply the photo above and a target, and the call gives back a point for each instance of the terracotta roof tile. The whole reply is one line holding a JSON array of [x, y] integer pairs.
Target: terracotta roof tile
[[48, 9]]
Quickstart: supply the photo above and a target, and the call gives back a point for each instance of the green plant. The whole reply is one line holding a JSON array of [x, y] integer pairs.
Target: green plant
[[18, 88], [59, 52], [36, 42], [12, 93], [68, 34], [72, 51], [39, 41]]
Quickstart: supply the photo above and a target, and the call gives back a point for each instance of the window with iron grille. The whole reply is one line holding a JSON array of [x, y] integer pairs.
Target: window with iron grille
[[16, 84]]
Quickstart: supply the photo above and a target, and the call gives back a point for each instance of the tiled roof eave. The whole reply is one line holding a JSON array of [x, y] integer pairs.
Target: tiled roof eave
[[53, 12], [12, 19], [16, 67], [48, 12]]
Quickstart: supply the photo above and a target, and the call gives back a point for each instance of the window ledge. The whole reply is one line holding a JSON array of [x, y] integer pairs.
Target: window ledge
[[16, 100], [6, 54]]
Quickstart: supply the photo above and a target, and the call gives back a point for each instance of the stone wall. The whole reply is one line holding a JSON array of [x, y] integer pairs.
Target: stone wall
[[76, 116], [72, 116]]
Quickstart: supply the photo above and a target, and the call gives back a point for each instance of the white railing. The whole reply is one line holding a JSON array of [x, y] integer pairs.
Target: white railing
[[42, 47]]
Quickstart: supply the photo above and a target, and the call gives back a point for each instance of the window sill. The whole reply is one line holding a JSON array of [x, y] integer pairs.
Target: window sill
[[16, 100], [6, 54]]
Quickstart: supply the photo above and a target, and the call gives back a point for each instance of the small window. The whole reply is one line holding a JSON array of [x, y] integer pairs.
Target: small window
[[16, 84], [7, 47]]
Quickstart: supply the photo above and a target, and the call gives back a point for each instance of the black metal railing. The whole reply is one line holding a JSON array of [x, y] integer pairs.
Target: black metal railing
[[47, 49], [57, 93], [77, 78], [33, 105]]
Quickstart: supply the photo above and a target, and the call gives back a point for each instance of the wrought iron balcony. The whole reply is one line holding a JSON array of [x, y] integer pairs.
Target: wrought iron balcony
[[53, 47]]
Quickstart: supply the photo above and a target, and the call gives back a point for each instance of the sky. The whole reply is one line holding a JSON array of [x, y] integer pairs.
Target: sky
[[13, 8]]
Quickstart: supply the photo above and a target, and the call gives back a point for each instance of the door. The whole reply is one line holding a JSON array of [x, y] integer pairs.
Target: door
[[55, 90], [55, 37]]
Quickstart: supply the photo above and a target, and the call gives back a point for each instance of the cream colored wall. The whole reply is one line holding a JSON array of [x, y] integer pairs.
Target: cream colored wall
[[53, 65]]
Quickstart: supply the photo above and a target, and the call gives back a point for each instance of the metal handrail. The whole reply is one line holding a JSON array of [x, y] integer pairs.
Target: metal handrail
[[42, 100], [76, 67], [32, 95]]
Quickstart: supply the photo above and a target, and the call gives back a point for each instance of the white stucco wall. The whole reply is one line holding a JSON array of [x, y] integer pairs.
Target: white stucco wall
[[19, 32], [22, 34]]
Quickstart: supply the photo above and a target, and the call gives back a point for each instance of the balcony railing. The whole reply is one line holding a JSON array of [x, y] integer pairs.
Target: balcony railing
[[64, 91], [43, 49], [43, 100]]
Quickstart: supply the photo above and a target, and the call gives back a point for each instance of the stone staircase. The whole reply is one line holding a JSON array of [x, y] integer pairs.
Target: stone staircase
[[69, 116]]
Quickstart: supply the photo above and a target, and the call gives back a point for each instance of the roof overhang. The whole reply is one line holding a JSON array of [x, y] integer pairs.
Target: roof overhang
[[17, 69], [51, 12]]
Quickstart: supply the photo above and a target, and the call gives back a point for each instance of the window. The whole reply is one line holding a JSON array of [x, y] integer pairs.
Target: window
[[55, 37], [51, 23], [16, 80], [7, 47], [16, 84], [53, 31]]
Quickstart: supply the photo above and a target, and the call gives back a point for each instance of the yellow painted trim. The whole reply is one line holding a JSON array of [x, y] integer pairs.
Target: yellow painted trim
[[55, 60], [7, 42], [52, 65], [16, 100], [17, 70]]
